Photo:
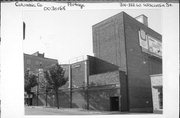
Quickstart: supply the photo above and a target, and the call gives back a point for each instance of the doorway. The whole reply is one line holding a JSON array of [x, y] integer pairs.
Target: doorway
[[114, 103]]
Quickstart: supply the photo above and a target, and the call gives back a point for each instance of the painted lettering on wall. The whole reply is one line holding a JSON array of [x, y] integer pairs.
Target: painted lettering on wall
[[150, 44]]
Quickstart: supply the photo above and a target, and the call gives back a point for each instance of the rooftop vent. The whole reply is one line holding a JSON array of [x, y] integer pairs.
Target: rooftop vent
[[143, 19]]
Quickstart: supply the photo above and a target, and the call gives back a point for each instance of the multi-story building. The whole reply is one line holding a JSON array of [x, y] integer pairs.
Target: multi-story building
[[136, 49], [37, 61]]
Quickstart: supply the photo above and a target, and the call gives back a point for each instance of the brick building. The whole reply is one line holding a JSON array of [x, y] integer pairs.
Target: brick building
[[136, 49], [95, 85], [37, 61]]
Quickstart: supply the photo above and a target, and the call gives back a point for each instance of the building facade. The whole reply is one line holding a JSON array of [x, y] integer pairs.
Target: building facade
[[37, 61], [136, 49], [95, 85]]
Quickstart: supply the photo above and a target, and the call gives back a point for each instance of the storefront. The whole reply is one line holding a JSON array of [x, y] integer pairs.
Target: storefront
[[157, 92]]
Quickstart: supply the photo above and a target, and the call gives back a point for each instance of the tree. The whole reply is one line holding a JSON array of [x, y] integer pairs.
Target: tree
[[30, 81], [55, 79]]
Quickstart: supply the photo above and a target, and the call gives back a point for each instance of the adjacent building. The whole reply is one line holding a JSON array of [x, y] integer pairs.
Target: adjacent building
[[37, 61], [95, 85]]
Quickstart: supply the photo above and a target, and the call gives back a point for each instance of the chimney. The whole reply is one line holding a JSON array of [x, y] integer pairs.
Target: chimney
[[143, 19]]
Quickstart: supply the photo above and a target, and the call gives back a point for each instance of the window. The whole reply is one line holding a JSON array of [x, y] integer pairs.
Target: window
[[37, 62], [28, 61]]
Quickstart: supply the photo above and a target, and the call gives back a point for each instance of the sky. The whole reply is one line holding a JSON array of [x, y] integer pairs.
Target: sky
[[68, 34]]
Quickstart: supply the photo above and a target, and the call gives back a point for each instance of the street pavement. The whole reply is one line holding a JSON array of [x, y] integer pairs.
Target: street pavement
[[61, 111], [34, 110]]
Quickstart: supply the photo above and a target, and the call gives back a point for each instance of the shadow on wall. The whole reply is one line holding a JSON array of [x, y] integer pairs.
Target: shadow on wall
[[98, 98], [79, 98], [64, 99]]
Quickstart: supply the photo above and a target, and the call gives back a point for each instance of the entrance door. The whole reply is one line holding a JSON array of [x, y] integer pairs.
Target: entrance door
[[114, 103], [160, 97]]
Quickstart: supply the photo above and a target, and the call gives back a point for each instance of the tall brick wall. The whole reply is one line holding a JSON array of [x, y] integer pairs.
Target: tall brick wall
[[78, 74], [124, 91], [109, 45], [116, 40], [105, 78], [97, 66], [140, 66], [108, 41]]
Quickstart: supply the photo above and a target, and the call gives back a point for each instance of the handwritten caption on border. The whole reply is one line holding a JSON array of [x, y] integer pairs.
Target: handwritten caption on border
[[81, 6], [151, 5], [50, 7]]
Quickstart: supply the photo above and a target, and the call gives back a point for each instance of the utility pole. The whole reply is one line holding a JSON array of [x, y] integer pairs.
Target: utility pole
[[24, 30], [38, 81], [37, 89], [87, 81], [70, 84]]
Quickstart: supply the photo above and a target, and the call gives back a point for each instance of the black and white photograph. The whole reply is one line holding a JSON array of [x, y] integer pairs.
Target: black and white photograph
[[89, 59], [105, 60]]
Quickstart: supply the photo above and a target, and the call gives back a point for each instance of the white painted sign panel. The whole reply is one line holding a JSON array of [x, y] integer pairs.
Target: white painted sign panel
[[155, 46], [142, 39], [150, 44]]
